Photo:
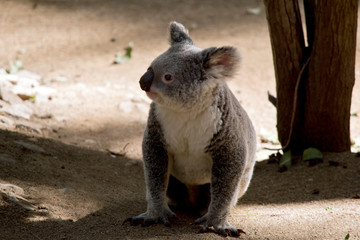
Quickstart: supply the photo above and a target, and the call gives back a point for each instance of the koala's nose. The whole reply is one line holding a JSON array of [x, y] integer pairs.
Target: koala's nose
[[146, 80]]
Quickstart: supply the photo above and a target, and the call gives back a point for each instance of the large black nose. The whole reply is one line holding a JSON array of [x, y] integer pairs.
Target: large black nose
[[146, 80]]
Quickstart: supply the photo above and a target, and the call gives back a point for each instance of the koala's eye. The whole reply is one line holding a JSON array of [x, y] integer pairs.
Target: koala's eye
[[168, 77]]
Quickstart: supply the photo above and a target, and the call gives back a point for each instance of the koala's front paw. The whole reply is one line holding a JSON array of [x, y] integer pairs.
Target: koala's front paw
[[146, 219], [221, 227]]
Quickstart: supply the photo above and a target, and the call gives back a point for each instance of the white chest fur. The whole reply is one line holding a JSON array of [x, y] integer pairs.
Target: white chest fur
[[187, 135]]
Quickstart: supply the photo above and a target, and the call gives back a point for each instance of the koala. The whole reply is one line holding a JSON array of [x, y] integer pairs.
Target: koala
[[196, 133]]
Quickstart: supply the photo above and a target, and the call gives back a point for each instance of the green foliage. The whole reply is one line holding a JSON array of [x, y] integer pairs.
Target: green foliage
[[312, 153], [15, 66], [347, 236], [312, 156], [328, 209], [286, 160], [121, 58]]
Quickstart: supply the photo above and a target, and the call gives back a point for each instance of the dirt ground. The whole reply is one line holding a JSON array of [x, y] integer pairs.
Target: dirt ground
[[72, 187]]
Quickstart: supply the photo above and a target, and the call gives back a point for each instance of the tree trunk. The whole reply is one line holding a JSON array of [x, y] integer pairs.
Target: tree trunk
[[324, 71], [331, 76], [287, 41]]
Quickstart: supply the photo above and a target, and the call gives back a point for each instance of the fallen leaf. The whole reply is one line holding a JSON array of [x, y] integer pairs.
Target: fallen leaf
[[312, 153], [119, 58], [286, 160]]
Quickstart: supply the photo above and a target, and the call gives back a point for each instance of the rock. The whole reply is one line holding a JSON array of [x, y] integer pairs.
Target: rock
[[44, 94], [30, 146], [253, 11], [90, 142], [30, 127], [66, 190], [39, 93], [15, 194], [15, 110], [9, 78], [10, 188], [58, 79], [6, 122], [25, 74], [9, 96], [23, 92], [7, 159], [23, 85], [20, 110]]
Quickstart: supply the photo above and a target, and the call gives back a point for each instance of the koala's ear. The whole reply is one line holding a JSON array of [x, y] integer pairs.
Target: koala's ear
[[179, 34], [220, 62]]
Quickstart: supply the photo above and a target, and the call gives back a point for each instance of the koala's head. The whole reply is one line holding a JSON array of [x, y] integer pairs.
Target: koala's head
[[185, 74]]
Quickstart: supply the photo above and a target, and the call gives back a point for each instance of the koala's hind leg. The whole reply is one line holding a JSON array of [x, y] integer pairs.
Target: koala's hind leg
[[245, 180]]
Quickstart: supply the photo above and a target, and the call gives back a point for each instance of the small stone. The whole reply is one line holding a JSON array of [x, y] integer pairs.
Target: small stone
[[28, 127], [90, 141], [9, 78], [7, 159], [20, 110], [6, 122], [30, 146], [43, 94], [58, 79], [10, 188], [28, 75], [10, 97], [66, 190], [253, 11]]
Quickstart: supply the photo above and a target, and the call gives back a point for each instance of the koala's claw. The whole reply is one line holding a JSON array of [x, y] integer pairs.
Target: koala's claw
[[225, 231]]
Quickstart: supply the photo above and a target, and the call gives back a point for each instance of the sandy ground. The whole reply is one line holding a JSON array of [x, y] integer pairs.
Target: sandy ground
[[73, 188]]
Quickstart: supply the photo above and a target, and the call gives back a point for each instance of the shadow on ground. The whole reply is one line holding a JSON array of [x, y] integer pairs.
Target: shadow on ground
[[117, 186]]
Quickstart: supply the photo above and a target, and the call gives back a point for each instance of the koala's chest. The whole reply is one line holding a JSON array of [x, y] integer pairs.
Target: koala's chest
[[187, 135]]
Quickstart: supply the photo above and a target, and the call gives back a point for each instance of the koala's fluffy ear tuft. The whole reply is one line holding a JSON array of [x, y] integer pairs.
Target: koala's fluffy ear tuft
[[179, 34], [220, 62]]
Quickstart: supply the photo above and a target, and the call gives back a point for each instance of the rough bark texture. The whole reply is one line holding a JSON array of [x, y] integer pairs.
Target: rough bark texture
[[331, 76], [322, 117], [287, 41]]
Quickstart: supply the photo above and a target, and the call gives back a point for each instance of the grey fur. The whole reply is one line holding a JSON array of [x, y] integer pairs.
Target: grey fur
[[196, 131]]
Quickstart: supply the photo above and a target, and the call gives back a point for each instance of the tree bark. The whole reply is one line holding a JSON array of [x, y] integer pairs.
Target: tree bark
[[325, 70], [287, 41], [288, 47], [331, 76]]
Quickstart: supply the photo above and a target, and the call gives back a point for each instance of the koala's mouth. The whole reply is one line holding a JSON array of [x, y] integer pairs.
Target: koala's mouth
[[152, 95]]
